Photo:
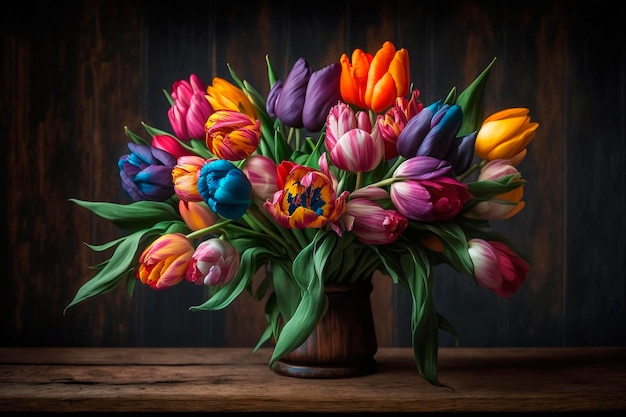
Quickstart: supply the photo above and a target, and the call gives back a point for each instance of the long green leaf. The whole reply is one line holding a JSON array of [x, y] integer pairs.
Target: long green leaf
[[134, 216], [121, 262], [472, 101]]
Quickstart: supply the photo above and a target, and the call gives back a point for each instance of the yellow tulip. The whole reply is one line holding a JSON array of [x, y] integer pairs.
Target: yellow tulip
[[505, 134], [223, 95]]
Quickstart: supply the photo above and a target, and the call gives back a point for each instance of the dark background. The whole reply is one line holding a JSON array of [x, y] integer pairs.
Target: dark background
[[75, 73]]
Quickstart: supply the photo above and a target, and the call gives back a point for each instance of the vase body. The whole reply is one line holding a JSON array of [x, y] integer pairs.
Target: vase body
[[344, 342]]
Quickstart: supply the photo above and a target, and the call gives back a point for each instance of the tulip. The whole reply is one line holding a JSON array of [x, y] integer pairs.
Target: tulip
[[373, 83], [465, 153], [439, 199], [185, 177], [353, 145], [164, 262], [505, 205], [225, 188], [305, 97], [215, 262], [432, 132], [261, 171], [146, 173], [190, 110], [170, 145], [222, 95], [197, 215], [373, 224], [423, 168], [232, 135], [308, 200], [497, 267], [395, 119], [505, 134]]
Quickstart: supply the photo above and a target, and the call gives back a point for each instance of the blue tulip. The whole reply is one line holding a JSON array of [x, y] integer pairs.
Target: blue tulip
[[146, 173], [432, 132], [225, 188]]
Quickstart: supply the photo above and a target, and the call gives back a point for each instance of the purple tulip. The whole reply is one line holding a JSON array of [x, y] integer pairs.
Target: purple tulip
[[146, 173], [305, 97], [431, 132]]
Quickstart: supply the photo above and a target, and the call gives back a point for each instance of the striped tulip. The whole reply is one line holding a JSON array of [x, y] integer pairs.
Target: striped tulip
[[164, 262], [497, 267], [353, 145], [232, 135], [438, 199], [214, 262], [261, 171], [308, 200], [185, 177], [372, 224]]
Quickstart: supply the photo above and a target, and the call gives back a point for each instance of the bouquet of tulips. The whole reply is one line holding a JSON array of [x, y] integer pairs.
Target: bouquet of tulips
[[337, 173]]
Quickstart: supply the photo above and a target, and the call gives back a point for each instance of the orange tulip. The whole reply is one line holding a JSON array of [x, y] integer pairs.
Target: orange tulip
[[374, 82], [223, 95], [505, 134]]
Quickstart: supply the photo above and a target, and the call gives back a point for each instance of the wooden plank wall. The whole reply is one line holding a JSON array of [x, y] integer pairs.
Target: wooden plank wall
[[75, 73]]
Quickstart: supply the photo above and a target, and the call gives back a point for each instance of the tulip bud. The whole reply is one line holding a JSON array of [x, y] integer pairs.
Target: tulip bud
[[214, 262], [505, 134]]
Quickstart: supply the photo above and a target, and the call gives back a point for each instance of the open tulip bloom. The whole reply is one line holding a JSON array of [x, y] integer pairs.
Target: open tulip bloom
[[383, 185]]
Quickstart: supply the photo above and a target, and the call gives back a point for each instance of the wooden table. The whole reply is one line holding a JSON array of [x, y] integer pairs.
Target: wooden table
[[236, 379]]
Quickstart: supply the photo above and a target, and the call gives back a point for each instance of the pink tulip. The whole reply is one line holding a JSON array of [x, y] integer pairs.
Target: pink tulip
[[191, 108], [497, 267], [393, 121], [505, 205], [439, 199], [261, 171], [352, 142], [170, 145], [215, 262], [373, 224]]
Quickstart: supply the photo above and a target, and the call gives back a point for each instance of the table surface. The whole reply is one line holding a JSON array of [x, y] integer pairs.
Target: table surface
[[238, 379]]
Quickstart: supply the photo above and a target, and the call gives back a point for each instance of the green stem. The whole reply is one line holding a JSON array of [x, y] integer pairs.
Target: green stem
[[211, 229], [471, 169], [396, 164]]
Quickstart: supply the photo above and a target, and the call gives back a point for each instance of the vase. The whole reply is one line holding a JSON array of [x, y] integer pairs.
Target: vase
[[343, 344]]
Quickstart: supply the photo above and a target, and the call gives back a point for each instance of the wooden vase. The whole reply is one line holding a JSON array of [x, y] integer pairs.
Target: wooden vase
[[344, 342]]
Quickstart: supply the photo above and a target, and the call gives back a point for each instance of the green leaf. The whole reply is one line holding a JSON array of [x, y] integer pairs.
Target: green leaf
[[412, 270], [134, 216], [117, 267], [471, 101], [135, 138], [271, 74], [251, 260], [304, 320]]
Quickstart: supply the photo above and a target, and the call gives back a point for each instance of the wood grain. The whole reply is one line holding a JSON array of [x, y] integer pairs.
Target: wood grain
[[236, 379]]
